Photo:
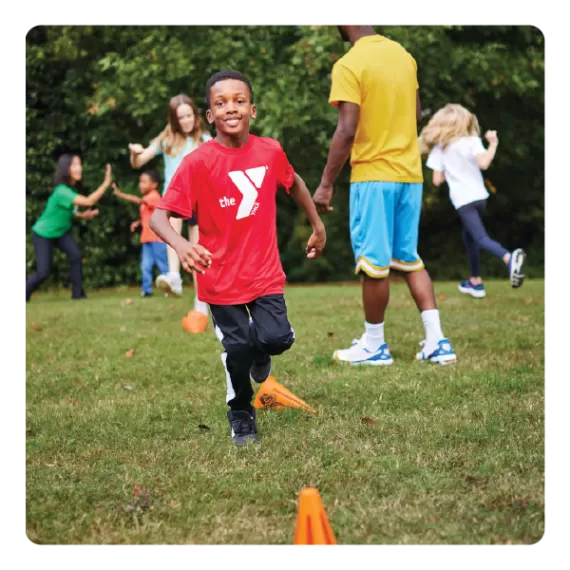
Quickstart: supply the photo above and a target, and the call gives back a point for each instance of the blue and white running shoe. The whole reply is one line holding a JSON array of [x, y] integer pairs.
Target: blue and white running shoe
[[516, 267], [443, 353], [477, 291], [359, 354]]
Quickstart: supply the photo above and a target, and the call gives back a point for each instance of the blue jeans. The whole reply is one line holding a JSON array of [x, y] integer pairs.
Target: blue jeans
[[153, 253], [475, 237]]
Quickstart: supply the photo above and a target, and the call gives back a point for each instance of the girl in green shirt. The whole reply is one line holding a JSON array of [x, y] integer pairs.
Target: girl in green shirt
[[53, 227]]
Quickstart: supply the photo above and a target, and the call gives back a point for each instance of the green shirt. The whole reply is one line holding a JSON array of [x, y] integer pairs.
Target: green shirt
[[58, 213]]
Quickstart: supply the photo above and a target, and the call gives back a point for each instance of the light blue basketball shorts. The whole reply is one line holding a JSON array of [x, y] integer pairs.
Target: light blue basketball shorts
[[384, 226]]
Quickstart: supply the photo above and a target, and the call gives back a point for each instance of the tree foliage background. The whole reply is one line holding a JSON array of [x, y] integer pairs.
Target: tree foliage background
[[95, 89]]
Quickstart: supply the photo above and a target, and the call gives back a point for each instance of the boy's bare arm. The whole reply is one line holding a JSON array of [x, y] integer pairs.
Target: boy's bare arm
[[302, 196], [129, 197], [193, 257]]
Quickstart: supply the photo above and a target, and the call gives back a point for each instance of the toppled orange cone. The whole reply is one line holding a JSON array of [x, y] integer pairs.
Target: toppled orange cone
[[271, 394], [195, 322], [312, 526]]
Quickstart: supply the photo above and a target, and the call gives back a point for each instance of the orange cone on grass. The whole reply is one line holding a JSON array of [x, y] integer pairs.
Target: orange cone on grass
[[195, 322], [272, 394], [312, 526]]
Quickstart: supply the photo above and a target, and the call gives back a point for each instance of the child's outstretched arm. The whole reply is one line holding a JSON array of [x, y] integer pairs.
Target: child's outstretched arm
[[485, 158], [302, 196], [193, 257], [129, 197], [94, 197]]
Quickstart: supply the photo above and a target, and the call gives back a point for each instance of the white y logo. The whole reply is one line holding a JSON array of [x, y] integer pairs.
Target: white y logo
[[247, 189]]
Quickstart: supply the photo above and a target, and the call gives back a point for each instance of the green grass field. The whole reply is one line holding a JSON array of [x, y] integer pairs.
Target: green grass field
[[137, 450]]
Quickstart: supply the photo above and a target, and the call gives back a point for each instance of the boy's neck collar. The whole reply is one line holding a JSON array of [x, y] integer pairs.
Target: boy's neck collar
[[229, 143]]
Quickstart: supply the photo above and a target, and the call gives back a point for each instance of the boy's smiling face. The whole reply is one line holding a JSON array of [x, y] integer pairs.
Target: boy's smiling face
[[230, 108]]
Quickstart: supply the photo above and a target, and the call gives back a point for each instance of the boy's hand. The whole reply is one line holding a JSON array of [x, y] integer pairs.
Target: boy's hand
[[135, 225], [316, 243], [322, 199], [194, 257], [492, 137]]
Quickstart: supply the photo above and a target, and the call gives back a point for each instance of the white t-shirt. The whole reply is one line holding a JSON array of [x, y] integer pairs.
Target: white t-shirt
[[461, 170]]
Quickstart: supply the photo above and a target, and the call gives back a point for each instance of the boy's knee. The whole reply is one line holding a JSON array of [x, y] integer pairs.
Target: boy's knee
[[277, 343]]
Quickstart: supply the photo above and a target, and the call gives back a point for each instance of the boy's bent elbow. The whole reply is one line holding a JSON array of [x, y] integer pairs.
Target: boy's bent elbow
[[154, 221]]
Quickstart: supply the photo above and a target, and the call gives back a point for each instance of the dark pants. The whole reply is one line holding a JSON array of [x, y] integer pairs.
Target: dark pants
[[475, 237], [269, 334], [44, 258]]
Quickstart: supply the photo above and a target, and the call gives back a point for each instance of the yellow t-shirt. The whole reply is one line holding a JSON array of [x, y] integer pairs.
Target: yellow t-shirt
[[380, 76]]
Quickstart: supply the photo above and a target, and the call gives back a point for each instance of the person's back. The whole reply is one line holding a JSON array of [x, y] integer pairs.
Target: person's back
[[461, 170], [379, 75], [375, 88]]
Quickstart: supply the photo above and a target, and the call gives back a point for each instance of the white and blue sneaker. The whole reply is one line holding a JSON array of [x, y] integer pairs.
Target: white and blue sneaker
[[359, 354], [443, 353], [477, 291]]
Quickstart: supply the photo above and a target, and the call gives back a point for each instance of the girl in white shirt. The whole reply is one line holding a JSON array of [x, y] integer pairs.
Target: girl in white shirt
[[457, 155]]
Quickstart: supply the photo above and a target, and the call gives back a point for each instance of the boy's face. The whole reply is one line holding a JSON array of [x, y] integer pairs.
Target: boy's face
[[146, 184], [230, 107]]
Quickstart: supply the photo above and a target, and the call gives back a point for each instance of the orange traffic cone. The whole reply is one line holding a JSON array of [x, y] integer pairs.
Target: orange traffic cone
[[312, 526], [271, 394], [195, 322]]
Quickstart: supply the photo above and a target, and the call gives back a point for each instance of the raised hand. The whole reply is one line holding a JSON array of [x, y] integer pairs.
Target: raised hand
[[492, 137], [116, 190], [135, 225], [108, 176], [136, 148]]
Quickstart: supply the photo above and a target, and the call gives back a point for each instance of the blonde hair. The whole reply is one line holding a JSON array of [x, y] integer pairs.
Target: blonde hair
[[172, 139], [451, 122]]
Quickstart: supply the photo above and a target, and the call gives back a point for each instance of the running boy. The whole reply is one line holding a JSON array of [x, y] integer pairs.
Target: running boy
[[230, 184]]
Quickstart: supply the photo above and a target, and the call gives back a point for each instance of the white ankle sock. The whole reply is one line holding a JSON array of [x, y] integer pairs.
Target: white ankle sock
[[432, 326], [374, 336], [200, 306]]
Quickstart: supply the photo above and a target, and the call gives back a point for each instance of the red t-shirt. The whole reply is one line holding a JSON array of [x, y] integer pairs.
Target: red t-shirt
[[232, 193], [149, 202]]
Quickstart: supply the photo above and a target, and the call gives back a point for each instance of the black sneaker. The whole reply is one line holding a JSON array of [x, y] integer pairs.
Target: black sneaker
[[261, 368], [243, 426]]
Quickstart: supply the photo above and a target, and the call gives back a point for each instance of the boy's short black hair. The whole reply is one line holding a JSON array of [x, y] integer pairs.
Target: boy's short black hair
[[153, 175], [227, 74]]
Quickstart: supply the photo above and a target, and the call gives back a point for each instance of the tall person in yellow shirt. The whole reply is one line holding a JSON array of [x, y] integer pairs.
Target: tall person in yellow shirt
[[375, 88]]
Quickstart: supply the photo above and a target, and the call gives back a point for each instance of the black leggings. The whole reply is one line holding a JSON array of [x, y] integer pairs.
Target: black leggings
[[44, 257]]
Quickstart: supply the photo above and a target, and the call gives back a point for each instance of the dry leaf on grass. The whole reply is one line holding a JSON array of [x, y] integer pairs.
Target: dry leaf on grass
[[329, 334], [442, 297], [127, 387], [37, 327], [129, 301], [367, 420], [130, 353]]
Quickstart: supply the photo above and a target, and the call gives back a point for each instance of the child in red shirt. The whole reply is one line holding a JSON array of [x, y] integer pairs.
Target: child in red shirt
[[230, 184], [153, 248]]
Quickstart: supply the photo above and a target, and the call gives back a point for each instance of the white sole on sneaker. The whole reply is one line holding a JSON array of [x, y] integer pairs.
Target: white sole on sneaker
[[472, 292], [441, 360], [517, 268], [364, 362]]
